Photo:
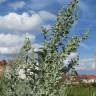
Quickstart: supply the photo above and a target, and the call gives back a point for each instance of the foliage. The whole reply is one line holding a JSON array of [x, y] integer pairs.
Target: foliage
[[81, 90], [43, 67]]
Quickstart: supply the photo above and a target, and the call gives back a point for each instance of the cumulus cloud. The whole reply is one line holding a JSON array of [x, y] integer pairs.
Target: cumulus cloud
[[24, 22], [18, 4], [13, 22], [11, 39], [7, 50], [11, 43]]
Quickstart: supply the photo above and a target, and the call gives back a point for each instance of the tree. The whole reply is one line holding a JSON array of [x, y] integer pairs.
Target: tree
[[43, 68]]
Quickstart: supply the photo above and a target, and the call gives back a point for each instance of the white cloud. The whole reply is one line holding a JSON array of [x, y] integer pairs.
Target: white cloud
[[13, 39], [47, 26], [86, 64], [11, 43], [87, 60], [13, 22], [18, 4], [7, 50], [46, 15], [1, 1], [70, 57], [24, 22], [37, 47], [73, 55]]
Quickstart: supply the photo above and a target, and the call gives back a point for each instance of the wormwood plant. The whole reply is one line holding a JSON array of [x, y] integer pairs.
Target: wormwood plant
[[42, 68]]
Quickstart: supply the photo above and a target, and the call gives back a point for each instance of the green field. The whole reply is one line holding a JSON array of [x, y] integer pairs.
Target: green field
[[81, 90]]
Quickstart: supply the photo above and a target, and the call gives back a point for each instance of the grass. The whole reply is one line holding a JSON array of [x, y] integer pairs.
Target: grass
[[81, 90]]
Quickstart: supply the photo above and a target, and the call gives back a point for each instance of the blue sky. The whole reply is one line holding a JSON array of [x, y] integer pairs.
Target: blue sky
[[20, 17]]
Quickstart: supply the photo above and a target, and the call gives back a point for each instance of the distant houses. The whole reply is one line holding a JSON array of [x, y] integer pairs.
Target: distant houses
[[87, 79]]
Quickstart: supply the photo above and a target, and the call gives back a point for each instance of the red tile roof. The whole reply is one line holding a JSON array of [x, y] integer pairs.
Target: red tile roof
[[77, 78], [87, 76]]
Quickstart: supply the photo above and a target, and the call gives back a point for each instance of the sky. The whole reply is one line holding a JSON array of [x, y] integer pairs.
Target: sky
[[19, 18]]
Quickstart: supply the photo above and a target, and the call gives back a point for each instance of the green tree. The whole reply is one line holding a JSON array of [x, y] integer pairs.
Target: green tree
[[43, 68]]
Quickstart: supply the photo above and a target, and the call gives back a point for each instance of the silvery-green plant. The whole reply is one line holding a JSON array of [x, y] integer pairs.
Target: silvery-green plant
[[42, 68]]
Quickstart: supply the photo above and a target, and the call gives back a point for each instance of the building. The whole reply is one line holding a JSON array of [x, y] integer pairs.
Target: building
[[79, 79], [88, 78]]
